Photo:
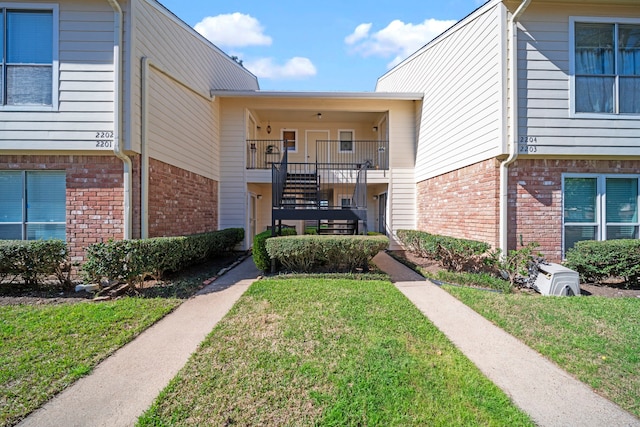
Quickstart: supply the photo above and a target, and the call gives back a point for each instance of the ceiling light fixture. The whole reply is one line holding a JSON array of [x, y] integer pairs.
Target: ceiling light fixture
[[319, 116], [268, 127]]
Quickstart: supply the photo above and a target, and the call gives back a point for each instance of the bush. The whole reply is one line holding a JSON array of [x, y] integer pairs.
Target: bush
[[454, 254], [259, 252], [597, 260], [33, 261], [307, 253], [131, 261]]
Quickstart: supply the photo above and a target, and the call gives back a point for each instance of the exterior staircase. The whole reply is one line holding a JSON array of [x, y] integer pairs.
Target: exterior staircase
[[301, 190], [345, 227]]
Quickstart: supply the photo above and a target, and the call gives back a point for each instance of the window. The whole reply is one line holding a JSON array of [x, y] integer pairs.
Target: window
[[33, 205], [27, 40], [607, 67], [346, 140], [598, 207], [290, 138]]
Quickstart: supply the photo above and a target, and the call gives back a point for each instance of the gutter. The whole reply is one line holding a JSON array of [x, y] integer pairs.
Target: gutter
[[513, 148], [118, 29]]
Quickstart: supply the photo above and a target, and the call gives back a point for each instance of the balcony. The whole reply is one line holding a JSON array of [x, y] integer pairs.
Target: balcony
[[263, 153]]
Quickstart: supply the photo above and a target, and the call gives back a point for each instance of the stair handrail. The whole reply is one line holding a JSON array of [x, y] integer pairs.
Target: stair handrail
[[279, 177], [359, 197]]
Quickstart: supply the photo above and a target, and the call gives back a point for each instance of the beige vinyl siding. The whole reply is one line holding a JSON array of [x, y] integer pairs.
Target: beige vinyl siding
[[85, 85], [190, 61], [461, 75], [401, 203], [180, 127], [233, 187], [545, 91]]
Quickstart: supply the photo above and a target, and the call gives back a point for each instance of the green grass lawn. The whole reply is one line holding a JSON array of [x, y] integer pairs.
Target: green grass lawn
[[594, 338], [330, 352], [44, 348]]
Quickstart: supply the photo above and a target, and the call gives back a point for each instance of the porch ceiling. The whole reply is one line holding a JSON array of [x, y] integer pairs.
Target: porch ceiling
[[298, 116]]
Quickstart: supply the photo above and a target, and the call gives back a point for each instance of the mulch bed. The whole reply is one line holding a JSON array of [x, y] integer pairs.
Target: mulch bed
[[18, 293], [613, 288]]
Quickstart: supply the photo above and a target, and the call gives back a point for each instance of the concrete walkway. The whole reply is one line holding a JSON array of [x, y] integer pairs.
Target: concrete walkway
[[124, 385], [537, 386]]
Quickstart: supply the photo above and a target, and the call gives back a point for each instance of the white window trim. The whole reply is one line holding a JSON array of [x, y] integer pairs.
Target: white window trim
[[353, 138], [601, 201], [572, 66], [295, 143], [55, 66]]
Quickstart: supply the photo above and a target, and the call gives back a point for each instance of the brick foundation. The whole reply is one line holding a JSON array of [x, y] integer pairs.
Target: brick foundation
[[463, 203], [94, 195], [180, 202], [535, 198]]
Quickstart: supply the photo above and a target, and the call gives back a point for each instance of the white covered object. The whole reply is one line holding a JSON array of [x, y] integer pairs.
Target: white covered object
[[555, 279]]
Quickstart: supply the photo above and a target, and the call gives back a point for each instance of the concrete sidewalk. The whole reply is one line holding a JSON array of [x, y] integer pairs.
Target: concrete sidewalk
[[537, 386], [124, 385]]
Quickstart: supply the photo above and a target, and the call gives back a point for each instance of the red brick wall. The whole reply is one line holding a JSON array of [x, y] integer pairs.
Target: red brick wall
[[180, 202], [463, 203], [94, 195], [535, 198]]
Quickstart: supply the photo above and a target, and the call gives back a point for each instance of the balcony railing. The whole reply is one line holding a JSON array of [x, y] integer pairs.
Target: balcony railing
[[262, 153], [375, 154]]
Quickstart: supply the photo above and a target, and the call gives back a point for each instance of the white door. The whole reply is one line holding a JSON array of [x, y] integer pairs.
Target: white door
[[253, 217], [311, 147]]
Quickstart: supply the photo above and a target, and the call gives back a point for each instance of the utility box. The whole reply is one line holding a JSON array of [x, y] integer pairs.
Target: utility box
[[555, 279]]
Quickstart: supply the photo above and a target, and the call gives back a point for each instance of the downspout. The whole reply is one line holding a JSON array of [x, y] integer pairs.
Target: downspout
[[513, 148], [117, 115], [144, 155]]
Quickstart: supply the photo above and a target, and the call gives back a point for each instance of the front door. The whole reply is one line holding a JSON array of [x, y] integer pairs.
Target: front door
[[382, 213], [312, 137], [253, 217]]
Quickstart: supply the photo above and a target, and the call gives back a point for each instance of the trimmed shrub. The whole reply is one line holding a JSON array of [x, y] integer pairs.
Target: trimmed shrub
[[131, 261], [308, 253], [597, 260], [259, 252], [33, 261], [453, 253]]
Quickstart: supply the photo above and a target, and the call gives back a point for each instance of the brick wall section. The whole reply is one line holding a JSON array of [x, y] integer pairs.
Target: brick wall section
[[94, 195], [535, 198], [463, 203], [180, 202]]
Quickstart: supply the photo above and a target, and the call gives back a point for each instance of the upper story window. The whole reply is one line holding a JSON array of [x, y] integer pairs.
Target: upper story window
[[346, 140], [607, 67], [29, 57]]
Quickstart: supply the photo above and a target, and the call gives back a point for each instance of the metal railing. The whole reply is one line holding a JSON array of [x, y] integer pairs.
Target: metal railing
[[262, 153], [338, 186], [360, 152]]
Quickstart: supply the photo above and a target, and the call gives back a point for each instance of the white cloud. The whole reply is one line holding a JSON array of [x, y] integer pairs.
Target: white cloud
[[397, 40], [296, 68], [361, 32], [233, 30]]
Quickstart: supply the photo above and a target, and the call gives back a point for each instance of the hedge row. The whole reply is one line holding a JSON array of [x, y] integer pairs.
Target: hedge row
[[454, 254], [307, 253], [597, 260], [131, 261], [259, 252], [33, 261]]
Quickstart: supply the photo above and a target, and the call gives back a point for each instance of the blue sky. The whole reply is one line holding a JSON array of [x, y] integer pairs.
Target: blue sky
[[320, 46]]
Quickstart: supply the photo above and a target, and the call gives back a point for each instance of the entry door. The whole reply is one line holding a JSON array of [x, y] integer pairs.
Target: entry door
[[253, 217], [312, 137], [382, 213]]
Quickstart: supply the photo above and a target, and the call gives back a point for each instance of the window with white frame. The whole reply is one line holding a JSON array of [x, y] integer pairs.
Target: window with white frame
[[600, 207], [27, 40], [346, 140], [33, 205], [606, 67]]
